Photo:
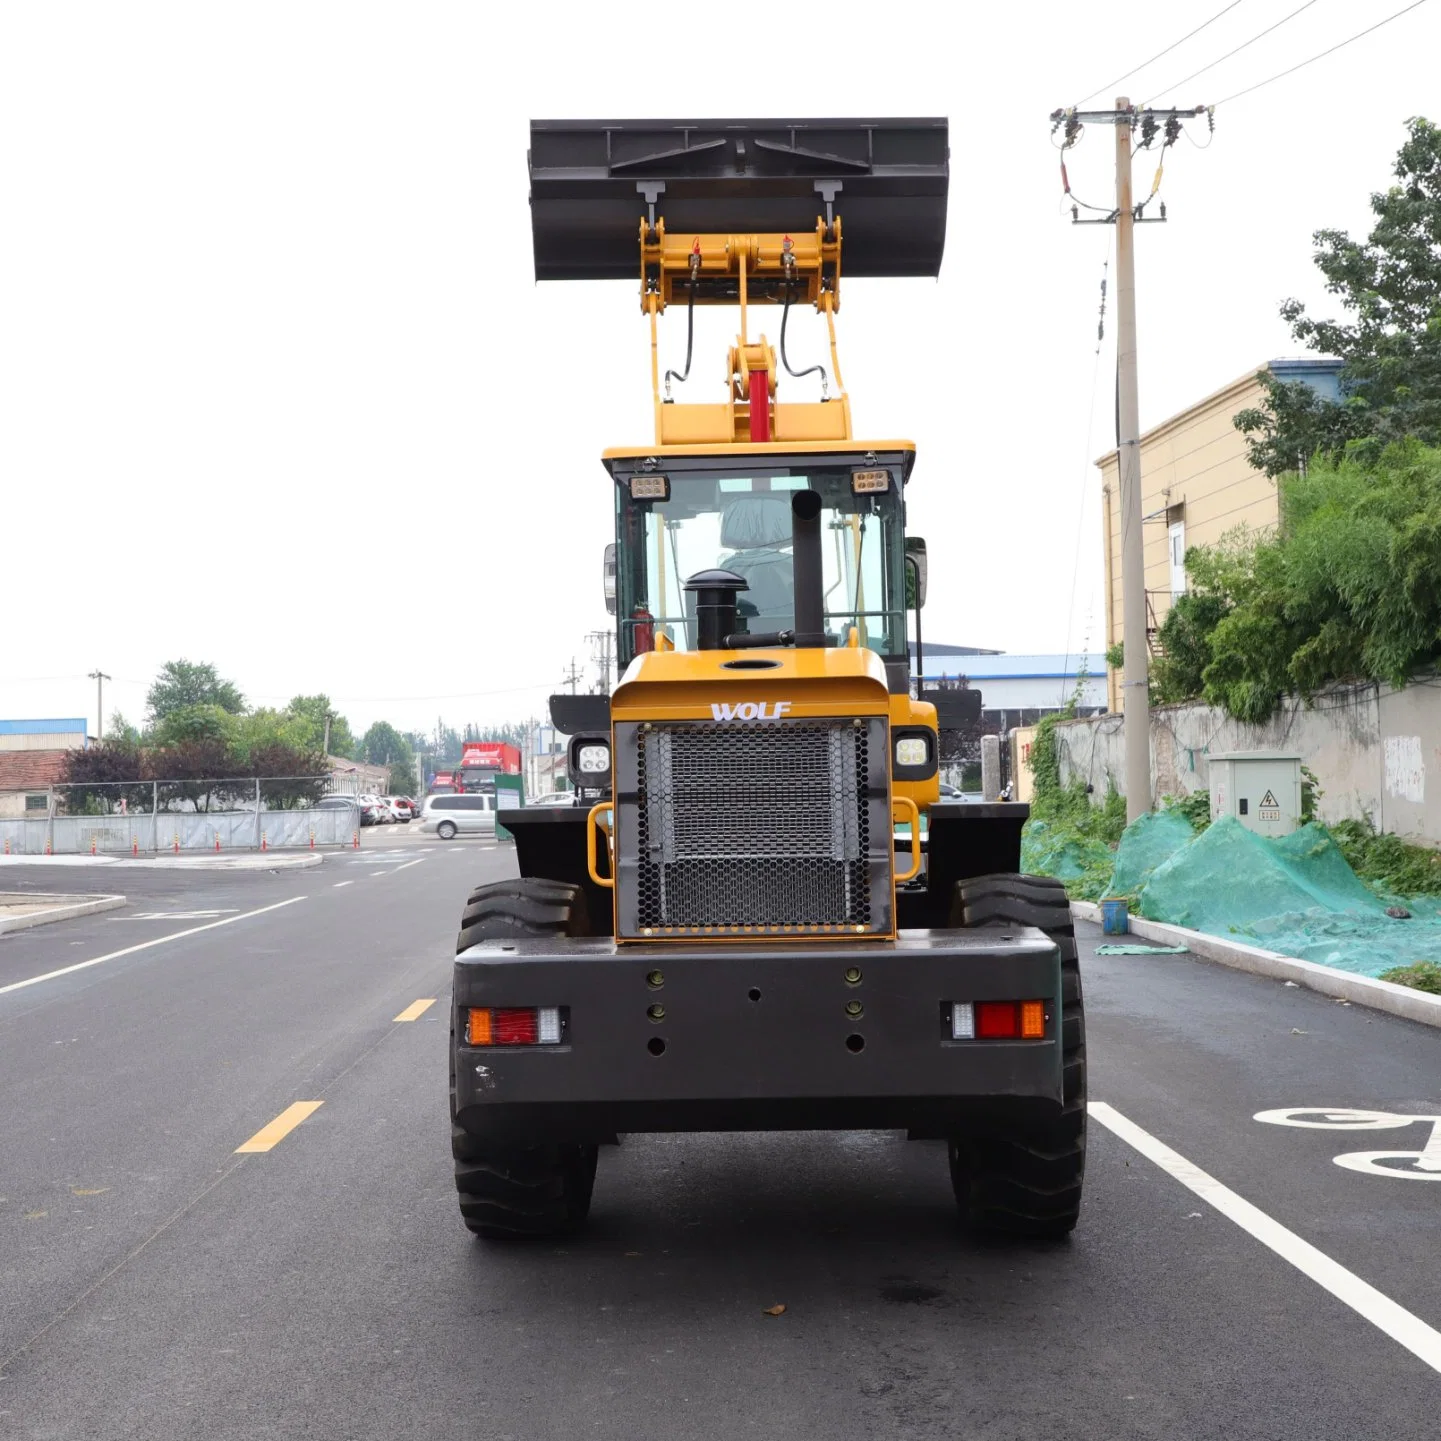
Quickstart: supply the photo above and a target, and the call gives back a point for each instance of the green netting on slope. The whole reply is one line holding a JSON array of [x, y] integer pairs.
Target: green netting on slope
[[1148, 842], [1049, 850], [1296, 895], [1229, 876]]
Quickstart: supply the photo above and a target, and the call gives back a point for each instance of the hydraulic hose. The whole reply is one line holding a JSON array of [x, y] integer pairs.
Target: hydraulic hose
[[689, 328], [785, 315]]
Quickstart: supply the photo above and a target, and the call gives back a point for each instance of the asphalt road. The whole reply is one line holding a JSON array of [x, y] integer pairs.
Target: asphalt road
[[155, 1283]]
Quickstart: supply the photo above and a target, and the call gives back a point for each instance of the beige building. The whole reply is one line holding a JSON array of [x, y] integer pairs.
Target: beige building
[[1196, 485]]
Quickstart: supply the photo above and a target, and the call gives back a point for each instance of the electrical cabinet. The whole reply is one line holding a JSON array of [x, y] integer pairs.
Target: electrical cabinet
[[1262, 789]]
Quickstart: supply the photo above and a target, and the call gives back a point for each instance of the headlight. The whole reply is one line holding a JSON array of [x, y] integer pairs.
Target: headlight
[[911, 751], [593, 760]]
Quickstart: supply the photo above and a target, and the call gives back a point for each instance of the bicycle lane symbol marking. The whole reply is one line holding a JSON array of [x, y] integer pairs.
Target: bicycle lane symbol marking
[[1422, 1165]]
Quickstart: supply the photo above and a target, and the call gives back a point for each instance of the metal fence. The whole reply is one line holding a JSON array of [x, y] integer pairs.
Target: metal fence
[[119, 822]]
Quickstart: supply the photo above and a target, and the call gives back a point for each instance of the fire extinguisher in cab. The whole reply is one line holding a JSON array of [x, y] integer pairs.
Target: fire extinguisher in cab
[[643, 629]]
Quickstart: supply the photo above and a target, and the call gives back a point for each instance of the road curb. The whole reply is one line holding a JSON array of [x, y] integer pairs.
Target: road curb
[[65, 909], [250, 861], [1403, 1001]]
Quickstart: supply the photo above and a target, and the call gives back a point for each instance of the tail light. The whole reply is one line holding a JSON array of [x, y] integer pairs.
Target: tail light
[[998, 1021], [513, 1026]]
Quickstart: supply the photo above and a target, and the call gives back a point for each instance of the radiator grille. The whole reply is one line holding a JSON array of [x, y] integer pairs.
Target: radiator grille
[[760, 825]]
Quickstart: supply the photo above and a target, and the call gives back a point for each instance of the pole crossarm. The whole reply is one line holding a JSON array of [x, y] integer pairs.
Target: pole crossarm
[[1131, 115]]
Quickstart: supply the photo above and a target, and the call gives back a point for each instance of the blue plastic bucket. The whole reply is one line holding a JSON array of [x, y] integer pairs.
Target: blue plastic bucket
[[1115, 920]]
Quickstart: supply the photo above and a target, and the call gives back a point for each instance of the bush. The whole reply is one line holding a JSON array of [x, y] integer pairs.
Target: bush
[[1420, 976], [1196, 808], [1387, 862], [1067, 836], [1349, 590]]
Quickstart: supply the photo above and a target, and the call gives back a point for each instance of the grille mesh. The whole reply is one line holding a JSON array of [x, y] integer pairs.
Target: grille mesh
[[753, 825]]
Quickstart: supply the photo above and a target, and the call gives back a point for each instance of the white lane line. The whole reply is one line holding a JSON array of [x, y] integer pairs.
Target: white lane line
[[338, 884], [408, 864], [1381, 1311], [145, 946], [380, 873]]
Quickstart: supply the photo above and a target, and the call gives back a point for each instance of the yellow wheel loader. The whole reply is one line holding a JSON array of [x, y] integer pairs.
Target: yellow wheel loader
[[759, 915]]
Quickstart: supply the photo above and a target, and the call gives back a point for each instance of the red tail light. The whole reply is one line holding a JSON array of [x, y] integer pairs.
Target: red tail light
[[998, 1021], [513, 1026]]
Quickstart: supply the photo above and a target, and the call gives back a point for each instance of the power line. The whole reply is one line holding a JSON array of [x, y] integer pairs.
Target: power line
[[378, 699], [1242, 46], [1112, 85], [1086, 460], [1405, 10]]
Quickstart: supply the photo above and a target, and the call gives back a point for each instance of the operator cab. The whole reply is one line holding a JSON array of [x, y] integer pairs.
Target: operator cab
[[680, 515]]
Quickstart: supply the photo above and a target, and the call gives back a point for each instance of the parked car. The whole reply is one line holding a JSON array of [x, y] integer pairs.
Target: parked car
[[450, 816], [400, 808], [368, 815], [552, 798], [384, 816]]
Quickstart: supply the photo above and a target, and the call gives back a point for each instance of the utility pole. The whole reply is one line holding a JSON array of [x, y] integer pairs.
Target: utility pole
[[1135, 692], [600, 653], [325, 746], [1135, 678], [572, 676], [99, 677]]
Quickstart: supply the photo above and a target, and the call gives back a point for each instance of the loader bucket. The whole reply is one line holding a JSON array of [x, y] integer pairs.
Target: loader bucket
[[588, 180]]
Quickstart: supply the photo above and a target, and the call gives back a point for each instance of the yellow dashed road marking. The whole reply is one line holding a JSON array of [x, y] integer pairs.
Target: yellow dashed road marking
[[415, 1010], [268, 1137]]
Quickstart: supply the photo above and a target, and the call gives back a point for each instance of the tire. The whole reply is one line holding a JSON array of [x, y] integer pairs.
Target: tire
[[446, 830], [510, 1193], [1028, 1181]]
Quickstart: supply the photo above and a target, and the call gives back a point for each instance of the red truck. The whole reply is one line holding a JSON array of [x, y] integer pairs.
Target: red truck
[[481, 762]]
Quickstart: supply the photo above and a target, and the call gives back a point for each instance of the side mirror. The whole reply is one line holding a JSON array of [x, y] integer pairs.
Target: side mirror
[[608, 579], [915, 572]]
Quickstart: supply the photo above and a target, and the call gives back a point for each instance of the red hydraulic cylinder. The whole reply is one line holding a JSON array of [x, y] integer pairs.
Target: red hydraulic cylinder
[[760, 406]]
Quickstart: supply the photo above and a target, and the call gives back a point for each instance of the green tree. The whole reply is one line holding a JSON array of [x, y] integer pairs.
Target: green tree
[[1349, 590], [120, 729], [445, 745], [1390, 340], [402, 778], [313, 709], [182, 684], [200, 722], [383, 745]]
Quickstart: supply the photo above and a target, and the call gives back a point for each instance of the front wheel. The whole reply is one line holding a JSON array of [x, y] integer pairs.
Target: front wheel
[[1027, 1180], [446, 830]]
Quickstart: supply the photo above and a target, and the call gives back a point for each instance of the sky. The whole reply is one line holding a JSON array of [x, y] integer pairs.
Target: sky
[[278, 390]]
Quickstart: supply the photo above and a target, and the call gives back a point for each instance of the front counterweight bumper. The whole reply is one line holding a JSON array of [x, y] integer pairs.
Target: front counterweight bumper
[[770, 1036]]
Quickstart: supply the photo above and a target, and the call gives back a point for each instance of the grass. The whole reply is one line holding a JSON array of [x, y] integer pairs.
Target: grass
[[1420, 976]]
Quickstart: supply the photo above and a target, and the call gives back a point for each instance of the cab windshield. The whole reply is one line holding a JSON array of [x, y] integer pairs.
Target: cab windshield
[[742, 523]]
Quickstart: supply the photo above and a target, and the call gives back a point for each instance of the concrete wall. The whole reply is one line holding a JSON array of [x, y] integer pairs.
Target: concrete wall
[[1375, 751]]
